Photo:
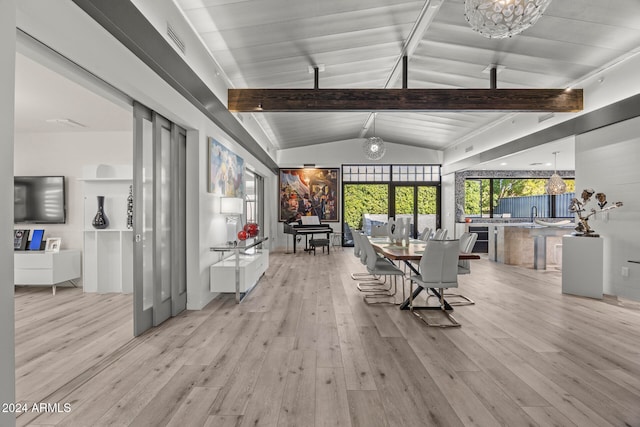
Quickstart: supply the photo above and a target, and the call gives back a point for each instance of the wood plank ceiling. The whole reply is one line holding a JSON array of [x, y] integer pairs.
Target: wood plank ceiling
[[271, 44]]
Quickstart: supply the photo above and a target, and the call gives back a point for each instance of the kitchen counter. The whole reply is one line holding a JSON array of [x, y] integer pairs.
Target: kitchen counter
[[525, 243]]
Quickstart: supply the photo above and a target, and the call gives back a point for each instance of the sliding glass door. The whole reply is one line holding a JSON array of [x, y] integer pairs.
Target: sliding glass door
[[159, 219], [373, 193], [364, 205], [427, 207], [179, 220], [404, 204], [420, 203]]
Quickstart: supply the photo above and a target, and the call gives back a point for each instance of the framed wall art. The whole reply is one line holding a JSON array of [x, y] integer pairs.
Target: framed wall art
[[308, 192], [226, 171], [53, 244]]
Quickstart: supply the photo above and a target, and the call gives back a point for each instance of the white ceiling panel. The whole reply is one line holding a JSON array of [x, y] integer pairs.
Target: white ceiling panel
[[270, 44]]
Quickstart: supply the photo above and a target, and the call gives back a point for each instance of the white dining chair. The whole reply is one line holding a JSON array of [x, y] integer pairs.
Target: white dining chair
[[381, 267], [380, 230], [438, 269], [426, 234], [440, 234], [357, 252], [467, 242], [370, 282]]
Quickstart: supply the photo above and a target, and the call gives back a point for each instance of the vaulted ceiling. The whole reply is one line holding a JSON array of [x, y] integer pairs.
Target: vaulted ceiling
[[359, 43]]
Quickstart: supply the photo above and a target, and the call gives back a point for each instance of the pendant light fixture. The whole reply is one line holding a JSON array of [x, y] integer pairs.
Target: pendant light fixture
[[555, 185], [499, 19], [373, 147]]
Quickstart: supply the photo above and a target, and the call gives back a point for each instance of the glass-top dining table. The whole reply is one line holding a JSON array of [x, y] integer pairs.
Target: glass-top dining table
[[412, 251]]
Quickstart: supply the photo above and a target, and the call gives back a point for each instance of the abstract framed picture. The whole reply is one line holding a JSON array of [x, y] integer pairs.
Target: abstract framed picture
[[226, 171], [309, 192]]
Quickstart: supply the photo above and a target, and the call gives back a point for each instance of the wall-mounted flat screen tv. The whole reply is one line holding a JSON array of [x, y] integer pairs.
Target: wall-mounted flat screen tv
[[39, 200]]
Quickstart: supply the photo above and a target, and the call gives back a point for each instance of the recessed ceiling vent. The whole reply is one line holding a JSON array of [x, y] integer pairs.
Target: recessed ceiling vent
[[469, 148], [173, 36]]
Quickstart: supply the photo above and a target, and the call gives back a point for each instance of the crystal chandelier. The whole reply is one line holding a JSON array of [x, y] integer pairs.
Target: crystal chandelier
[[555, 185], [499, 19], [373, 147]]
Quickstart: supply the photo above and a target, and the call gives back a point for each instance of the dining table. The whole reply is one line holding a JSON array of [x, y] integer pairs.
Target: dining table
[[410, 254]]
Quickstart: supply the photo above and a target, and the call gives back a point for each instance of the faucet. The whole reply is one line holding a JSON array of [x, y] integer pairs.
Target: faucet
[[534, 212]]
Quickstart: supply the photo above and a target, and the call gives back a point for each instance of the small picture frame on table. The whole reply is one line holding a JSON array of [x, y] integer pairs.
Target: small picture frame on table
[[53, 244]]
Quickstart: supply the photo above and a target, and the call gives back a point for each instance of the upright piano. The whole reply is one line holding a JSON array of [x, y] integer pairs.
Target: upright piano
[[308, 225]]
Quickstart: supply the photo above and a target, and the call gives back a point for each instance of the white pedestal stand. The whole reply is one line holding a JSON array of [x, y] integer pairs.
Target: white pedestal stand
[[582, 269]]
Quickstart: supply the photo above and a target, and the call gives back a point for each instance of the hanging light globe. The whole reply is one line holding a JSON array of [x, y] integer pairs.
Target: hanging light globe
[[555, 185], [374, 148], [499, 19]]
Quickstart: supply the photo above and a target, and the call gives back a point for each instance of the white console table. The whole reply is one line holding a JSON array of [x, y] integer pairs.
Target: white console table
[[46, 268], [241, 272]]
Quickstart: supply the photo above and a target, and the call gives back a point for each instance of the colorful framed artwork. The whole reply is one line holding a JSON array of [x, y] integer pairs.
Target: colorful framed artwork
[[309, 192], [226, 171]]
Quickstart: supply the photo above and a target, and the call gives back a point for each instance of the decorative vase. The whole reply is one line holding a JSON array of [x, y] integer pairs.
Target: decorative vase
[[100, 221], [391, 228], [406, 232], [398, 230]]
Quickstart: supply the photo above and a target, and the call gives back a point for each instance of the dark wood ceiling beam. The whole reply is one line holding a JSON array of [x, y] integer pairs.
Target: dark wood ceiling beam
[[308, 100]]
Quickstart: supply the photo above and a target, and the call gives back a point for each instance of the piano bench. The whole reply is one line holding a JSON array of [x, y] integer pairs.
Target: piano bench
[[315, 243]]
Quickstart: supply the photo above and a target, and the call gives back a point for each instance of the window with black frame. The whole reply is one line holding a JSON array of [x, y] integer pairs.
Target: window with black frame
[[515, 198]]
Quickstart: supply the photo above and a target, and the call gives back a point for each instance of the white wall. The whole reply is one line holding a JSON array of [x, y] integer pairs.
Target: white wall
[[448, 209], [7, 321], [212, 229], [57, 24], [607, 160], [335, 154], [65, 153]]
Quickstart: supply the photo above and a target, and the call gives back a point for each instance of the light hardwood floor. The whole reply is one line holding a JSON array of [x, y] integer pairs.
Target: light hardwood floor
[[304, 350]]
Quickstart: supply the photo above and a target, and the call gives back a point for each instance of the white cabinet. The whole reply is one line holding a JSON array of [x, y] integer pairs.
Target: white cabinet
[[46, 268], [251, 268], [108, 261], [108, 253]]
